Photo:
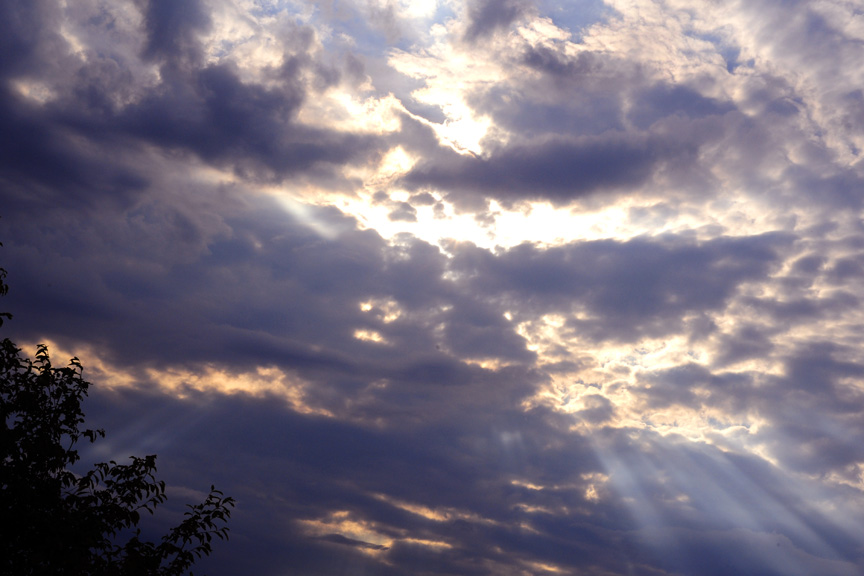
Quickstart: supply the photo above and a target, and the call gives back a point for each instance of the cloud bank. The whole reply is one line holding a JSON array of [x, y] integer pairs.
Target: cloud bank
[[483, 287]]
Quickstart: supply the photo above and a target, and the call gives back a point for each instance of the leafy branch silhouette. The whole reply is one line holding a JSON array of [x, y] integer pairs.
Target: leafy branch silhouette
[[59, 522]]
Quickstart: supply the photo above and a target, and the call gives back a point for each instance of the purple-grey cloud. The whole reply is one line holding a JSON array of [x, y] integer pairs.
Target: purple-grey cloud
[[118, 239]]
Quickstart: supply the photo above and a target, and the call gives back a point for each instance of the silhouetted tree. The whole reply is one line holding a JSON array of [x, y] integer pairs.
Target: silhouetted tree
[[54, 521]]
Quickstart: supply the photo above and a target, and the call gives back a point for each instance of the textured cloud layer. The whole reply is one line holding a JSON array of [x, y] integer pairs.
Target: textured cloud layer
[[483, 287]]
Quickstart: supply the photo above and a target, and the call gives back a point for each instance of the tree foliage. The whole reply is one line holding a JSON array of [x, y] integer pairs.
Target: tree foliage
[[54, 521]]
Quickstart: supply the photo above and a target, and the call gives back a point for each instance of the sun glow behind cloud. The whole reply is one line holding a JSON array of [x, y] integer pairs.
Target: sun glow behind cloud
[[464, 130], [485, 286], [448, 74], [185, 383]]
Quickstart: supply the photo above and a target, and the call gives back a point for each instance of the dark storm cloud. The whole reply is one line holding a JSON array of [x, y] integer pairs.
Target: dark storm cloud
[[274, 251], [234, 281], [42, 159], [476, 329], [802, 412], [839, 190], [598, 409], [461, 467], [669, 506], [587, 114], [833, 402], [171, 28], [554, 64], [578, 124], [213, 113], [204, 109], [845, 269], [555, 169], [403, 212], [115, 242], [422, 199], [749, 341], [572, 147], [685, 384], [795, 310], [487, 16], [629, 290], [558, 93], [222, 119], [26, 37], [663, 100], [141, 286]]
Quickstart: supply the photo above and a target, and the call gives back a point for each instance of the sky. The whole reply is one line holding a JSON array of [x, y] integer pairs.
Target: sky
[[457, 287]]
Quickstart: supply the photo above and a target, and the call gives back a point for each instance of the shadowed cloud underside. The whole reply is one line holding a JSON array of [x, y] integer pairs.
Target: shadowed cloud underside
[[471, 287]]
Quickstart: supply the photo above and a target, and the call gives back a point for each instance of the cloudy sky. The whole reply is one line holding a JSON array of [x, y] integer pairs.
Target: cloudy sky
[[457, 287]]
